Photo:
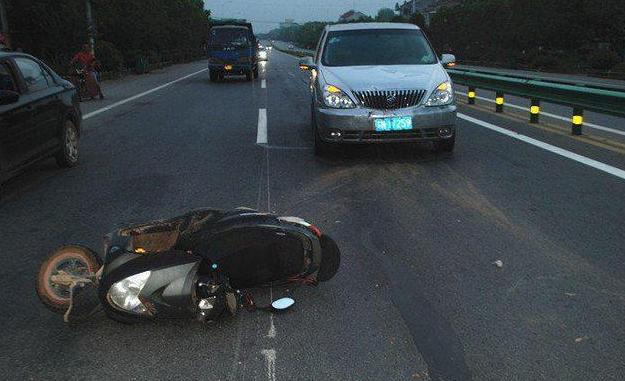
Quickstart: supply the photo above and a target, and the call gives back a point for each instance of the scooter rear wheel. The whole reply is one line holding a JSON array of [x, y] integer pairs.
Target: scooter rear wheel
[[330, 259], [73, 260]]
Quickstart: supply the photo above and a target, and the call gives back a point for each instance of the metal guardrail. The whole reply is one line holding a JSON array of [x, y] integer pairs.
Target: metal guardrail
[[601, 99]]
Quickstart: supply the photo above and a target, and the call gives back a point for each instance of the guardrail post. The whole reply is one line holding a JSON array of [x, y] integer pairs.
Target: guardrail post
[[534, 111], [577, 121], [471, 96], [499, 100]]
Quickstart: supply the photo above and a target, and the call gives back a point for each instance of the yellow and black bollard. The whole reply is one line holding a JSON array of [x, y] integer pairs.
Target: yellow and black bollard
[[499, 100], [577, 121], [534, 111], [471, 96]]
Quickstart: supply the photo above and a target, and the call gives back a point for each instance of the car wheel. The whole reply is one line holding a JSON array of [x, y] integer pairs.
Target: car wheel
[[445, 145], [70, 139]]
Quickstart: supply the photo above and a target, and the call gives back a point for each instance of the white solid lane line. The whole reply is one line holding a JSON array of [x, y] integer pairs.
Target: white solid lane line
[[119, 103], [261, 135], [550, 115], [548, 147], [263, 84]]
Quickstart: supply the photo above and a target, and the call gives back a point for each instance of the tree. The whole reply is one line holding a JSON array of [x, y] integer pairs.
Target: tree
[[417, 19], [385, 15], [54, 30]]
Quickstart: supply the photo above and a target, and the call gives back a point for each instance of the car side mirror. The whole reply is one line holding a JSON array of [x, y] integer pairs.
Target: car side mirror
[[448, 60], [282, 304], [307, 64], [7, 97]]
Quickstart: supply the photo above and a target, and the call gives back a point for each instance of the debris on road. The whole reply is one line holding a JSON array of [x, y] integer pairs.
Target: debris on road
[[580, 339], [570, 294], [498, 263]]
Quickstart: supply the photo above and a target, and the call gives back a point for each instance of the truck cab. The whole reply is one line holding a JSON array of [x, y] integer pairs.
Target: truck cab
[[232, 50]]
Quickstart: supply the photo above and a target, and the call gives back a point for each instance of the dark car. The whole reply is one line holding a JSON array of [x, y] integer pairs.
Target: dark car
[[39, 115]]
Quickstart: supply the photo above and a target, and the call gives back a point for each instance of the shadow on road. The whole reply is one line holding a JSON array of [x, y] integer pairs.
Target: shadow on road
[[31, 178], [384, 154]]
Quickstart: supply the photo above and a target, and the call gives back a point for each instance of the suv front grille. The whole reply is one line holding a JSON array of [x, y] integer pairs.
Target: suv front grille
[[390, 99]]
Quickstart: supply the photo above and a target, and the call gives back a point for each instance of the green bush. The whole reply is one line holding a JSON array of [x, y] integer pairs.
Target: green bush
[[110, 58], [602, 59], [153, 58], [548, 61], [619, 67]]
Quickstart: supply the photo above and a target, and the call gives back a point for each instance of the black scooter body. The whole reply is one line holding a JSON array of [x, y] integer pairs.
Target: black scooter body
[[247, 248]]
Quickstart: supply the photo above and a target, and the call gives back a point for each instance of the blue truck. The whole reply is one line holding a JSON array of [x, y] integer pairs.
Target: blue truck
[[232, 50]]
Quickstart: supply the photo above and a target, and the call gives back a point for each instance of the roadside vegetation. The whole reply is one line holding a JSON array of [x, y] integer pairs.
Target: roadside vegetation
[[570, 36], [126, 31]]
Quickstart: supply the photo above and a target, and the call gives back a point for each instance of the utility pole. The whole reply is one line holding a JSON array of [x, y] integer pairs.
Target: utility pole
[[4, 21], [90, 26]]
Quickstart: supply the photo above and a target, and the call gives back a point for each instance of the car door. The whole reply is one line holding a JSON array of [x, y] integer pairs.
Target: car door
[[42, 100], [14, 119]]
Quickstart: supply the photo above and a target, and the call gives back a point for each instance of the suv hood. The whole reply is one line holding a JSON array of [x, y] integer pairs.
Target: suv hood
[[396, 77]]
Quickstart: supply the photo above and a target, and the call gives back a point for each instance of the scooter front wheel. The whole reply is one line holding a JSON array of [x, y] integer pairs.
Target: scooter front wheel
[[59, 270]]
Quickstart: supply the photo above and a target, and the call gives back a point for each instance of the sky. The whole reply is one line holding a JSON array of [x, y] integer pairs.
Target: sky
[[266, 14]]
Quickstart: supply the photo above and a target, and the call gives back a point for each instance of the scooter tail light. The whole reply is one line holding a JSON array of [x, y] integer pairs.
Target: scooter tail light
[[315, 230]]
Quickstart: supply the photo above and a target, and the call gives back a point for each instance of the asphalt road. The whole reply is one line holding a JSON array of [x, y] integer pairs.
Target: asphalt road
[[417, 297]]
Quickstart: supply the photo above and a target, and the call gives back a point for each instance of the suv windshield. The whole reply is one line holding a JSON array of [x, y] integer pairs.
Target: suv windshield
[[377, 47], [230, 36]]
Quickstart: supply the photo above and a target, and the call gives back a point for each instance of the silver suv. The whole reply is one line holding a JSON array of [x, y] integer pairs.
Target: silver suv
[[380, 82]]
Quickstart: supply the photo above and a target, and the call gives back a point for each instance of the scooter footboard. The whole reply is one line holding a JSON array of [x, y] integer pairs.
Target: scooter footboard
[[253, 257]]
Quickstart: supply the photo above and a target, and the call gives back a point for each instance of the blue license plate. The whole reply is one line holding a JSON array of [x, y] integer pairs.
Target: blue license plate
[[400, 123]]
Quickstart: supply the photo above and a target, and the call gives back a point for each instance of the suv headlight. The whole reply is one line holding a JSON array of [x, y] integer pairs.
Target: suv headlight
[[125, 293], [336, 98], [442, 95]]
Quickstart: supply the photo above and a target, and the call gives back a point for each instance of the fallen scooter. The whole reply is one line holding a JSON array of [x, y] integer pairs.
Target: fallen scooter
[[199, 265]]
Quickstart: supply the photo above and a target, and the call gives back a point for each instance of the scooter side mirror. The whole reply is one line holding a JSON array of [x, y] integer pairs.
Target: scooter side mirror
[[282, 304]]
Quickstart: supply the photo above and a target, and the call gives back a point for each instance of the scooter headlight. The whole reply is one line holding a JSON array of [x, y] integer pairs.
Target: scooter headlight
[[125, 293]]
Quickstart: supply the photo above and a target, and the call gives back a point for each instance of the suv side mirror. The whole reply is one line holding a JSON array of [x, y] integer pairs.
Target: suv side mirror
[[307, 64], [7, 97], [448, 60]]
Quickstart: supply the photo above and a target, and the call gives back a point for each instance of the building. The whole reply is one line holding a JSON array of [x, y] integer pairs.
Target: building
[[427, 8], [351, 16]]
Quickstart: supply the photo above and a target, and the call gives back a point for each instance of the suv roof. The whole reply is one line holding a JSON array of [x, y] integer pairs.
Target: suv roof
[[371, 25]]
